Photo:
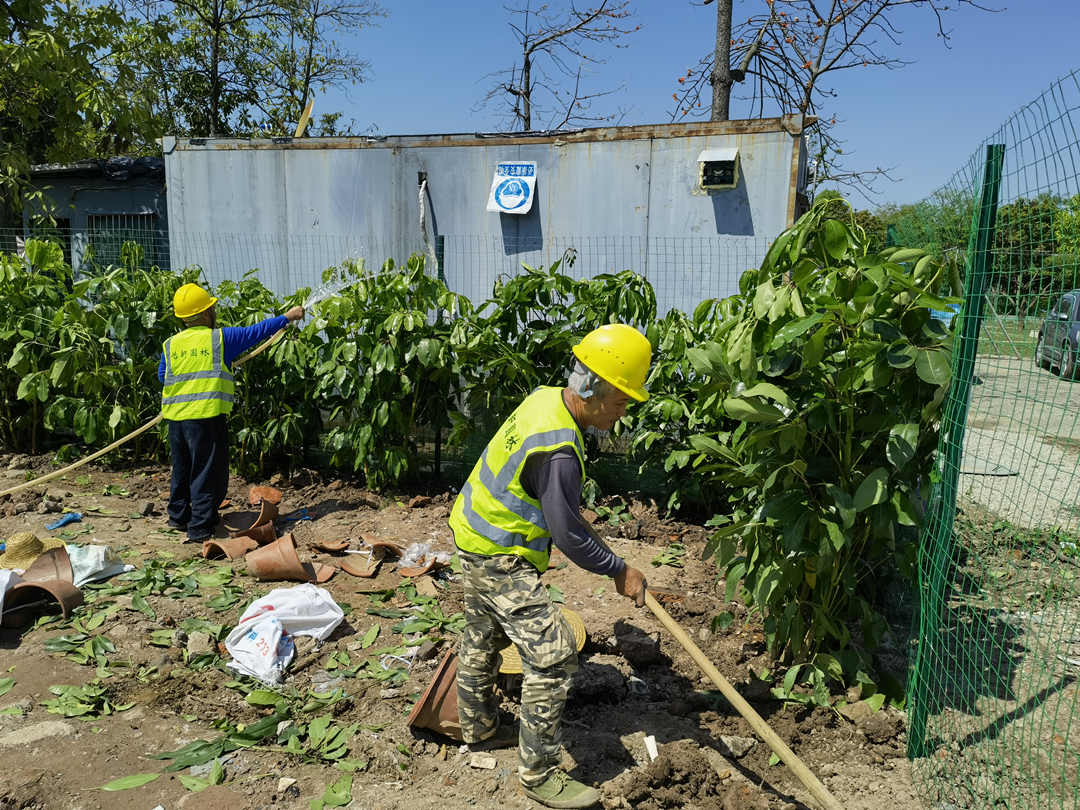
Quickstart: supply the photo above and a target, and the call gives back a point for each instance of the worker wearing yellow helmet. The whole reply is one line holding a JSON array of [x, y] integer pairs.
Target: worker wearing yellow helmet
[[523, 495], [197, 395]]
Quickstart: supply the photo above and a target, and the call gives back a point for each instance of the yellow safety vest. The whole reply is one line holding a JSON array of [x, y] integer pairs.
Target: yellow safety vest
[[198, 382], [493, 514]]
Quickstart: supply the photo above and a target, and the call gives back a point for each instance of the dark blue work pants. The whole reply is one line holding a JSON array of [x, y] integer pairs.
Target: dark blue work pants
[[200, 473]]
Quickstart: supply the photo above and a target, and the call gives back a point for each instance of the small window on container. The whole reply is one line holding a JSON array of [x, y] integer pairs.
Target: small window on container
[[719, 168]]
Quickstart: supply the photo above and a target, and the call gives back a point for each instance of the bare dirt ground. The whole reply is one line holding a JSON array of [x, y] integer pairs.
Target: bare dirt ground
[[626, 687]]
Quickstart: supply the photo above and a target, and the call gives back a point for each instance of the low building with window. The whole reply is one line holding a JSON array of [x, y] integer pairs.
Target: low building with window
[[101, 211]]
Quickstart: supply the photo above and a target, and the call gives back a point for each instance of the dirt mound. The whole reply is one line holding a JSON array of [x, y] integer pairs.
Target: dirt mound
[[682, 777]]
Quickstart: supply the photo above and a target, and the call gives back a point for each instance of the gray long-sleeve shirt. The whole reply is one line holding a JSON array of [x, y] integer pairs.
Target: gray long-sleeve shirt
[[554, 479]]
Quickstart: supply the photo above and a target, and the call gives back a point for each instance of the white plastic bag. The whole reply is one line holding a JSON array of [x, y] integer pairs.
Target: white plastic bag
[[94, 563], [8, 580], [261, 645], [261, 648]]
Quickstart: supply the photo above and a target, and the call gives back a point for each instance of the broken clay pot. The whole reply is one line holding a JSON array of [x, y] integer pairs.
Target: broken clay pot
[[19, 601], [277, 561], [437, 708], [242, 522], [318, 572], [264, 493], [367, 567], [262, 535], [233, 548], [53, 564]]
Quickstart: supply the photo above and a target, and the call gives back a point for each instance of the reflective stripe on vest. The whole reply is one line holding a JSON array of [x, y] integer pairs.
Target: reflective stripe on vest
[[493, 514], [198, 382]]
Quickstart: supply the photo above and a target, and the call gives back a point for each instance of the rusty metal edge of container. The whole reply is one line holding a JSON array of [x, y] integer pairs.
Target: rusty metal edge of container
[[790, 124], [437, 708]]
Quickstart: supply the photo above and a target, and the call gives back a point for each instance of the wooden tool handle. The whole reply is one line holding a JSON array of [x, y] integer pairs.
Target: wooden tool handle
[[812, 783]]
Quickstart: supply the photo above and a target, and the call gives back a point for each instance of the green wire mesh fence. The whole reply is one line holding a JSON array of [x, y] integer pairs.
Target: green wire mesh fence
[[992, 696]]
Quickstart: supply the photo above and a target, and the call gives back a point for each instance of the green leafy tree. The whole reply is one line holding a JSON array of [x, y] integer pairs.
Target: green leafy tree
[[817, 409], [66, 88]]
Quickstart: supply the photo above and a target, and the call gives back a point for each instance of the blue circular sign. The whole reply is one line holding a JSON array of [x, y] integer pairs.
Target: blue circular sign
[[511, 194]]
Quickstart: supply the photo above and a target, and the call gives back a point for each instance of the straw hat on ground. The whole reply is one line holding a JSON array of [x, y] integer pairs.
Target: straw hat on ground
[[24, 547]]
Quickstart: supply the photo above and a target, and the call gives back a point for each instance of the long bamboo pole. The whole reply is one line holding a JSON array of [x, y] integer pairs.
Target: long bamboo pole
[[811, 782], [270, 341]]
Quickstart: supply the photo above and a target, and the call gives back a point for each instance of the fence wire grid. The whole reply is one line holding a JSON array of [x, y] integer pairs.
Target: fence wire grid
[[992, 694]]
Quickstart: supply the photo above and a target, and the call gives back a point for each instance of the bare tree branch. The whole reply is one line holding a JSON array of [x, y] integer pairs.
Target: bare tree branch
[[790, 50], [546, 83]]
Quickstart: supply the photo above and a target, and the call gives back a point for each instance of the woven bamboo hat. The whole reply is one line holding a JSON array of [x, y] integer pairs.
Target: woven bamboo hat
[[24, 547], [510, 658]]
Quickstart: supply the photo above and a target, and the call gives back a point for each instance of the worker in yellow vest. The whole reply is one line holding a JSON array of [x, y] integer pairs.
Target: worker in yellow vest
[[196, 372], [523, 495]]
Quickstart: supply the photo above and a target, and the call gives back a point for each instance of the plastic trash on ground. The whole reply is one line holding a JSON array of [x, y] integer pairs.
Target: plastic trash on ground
[[94, 563], [261, 643], [70, 517], [418, 554]]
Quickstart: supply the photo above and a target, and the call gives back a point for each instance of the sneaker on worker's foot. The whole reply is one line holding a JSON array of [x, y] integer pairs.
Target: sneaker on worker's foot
[[505, 735], [560, 790]]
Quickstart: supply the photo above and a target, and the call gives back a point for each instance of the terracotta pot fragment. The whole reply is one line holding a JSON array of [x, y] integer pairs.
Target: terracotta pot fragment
[[318, 572], [262, 535], [53, 564], [437, 708], [332, 546], [233, 549], [264, 493], [26, 593], [277, 561], [242, 522], [363, 567]]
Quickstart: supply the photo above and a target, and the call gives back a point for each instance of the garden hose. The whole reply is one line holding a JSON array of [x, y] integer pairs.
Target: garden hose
[[270, 341], [756, 721]]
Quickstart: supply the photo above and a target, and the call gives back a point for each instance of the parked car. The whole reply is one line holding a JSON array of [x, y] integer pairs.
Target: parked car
[[1059, 336]]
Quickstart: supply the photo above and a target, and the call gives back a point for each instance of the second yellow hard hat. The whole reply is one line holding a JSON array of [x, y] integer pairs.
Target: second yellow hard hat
[[619, 354]]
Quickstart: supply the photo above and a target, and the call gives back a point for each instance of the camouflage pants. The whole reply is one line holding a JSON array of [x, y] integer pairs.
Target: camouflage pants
[[505, 602]]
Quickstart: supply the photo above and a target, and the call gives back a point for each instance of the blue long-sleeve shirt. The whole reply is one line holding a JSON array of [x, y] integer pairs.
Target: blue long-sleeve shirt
[[238, 339]]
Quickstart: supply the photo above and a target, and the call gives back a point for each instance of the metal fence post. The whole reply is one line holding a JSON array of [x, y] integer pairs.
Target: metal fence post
[[935, 553]]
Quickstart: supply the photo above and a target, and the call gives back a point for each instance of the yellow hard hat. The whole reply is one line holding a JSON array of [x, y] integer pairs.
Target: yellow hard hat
[[619, 354], [190, 300]]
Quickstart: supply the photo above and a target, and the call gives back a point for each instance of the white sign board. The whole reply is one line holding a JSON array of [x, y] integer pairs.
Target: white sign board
[[513, 187]]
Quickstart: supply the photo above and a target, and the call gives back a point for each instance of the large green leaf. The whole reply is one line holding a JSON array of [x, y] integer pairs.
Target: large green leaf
[[933, 366], [874, 489], [793, 329], [129, 782], [836, 238], [750, 410], [903, 439], [769, 391]]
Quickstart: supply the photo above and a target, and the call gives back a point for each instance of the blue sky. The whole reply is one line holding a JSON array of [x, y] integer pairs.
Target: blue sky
[[429, 62]]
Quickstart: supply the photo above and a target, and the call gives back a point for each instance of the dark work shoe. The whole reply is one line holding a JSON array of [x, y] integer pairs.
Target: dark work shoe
[[560, 790], [174, 524]]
